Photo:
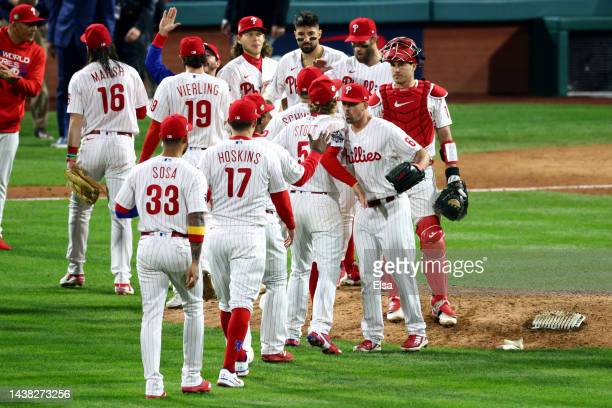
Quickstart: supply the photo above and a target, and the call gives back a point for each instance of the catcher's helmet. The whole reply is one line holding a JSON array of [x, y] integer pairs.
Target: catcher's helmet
[[401, 49], [453, 201]]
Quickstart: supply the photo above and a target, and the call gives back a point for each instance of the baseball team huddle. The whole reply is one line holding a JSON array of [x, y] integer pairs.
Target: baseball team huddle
[[326, 154]]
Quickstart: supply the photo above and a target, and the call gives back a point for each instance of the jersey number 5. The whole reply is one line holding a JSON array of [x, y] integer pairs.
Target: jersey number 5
[[154, 205], [117, 100], [243, 184], [201, 109], [302, 151]]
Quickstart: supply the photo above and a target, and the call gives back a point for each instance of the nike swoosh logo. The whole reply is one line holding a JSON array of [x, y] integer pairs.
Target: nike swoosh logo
[[351, 72], [245, 76], [293, 69], [399, 105]]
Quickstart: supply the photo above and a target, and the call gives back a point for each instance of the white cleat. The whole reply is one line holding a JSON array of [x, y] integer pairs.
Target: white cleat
[[227, 379], [396, 316], [175, 303], [250, 354], [123, 289], [446, 320], [242, 368]]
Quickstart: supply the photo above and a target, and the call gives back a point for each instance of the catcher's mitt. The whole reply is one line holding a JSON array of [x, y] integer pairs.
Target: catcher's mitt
[[84, 187], [404, 176], [453, 201]]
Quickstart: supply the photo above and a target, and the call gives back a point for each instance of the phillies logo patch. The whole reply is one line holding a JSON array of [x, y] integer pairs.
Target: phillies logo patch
[[253, 20], [359, 156], [238, 345], [355, 27], [348, 89]]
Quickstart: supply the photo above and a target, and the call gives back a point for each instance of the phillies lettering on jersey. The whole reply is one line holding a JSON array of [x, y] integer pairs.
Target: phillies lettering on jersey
[[366, 149], [294, 138], [283, 118], [284, 81], [243, 78], [108, 100], [241, 174], [201, 98], [350, 70], [164, 190]]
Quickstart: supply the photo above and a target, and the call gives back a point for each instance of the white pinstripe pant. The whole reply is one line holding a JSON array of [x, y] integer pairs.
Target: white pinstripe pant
[[8, 148], [386, 231], [318, 238], [161, 259], [110, 156]]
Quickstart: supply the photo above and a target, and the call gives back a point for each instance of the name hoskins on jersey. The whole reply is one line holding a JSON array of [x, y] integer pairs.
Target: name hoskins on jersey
[[201, 98], [107, 99]]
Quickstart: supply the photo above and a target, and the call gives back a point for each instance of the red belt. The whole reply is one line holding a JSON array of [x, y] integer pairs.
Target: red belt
[[174, 234], [379, 201], [97, 132], [309, 192]]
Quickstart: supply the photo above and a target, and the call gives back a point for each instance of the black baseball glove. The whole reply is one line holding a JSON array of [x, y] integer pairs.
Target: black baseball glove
[[453, 201], [404, 176]]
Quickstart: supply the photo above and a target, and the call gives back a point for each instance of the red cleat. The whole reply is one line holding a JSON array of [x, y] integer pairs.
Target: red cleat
[[203, 387], [414, 342], [292, 342], [443, 312], [4, 246], [395, 313], [367, 346], [352, 272], [282, 357], [324, 341], [163, 395]]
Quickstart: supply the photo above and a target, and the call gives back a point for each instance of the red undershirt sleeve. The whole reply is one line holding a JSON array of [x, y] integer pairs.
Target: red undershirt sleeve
[[310, 165], [151, 141], [141, 112], [334, 167], [282, 203]]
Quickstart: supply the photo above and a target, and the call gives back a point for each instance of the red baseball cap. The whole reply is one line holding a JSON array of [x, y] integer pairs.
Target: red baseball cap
[[242, 110], [174, 127], [24, 13], [355, 93], [96, 36], [213, 48], [361, 29], [250, 23], [191, 45], [323, 90], [259, 102], [305, 78]]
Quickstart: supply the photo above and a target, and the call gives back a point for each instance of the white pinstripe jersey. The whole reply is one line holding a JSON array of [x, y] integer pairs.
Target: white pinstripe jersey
[[243, 78], [374, 151], [438, 110], [241, 175], [283, 118], [164, 190], [202, 98], [351, 70], [108, 101], [284, 81], [294, 138]]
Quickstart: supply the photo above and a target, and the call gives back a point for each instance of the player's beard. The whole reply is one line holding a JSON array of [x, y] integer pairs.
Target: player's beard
[[365, 57], [307, 48]]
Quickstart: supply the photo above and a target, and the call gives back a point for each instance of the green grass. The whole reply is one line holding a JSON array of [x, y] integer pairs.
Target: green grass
[[88, 339], [477, 128]]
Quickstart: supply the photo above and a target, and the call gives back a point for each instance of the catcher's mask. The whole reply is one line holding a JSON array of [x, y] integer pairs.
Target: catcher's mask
[[401, 49], [452, 202]]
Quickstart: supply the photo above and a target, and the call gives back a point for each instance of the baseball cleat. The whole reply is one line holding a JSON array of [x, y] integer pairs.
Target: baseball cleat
[[4, 246], [205, 386], [162, 395], [123, 289], [367, 346], [343, 276], [323, 341], [415, 342], [443, 312], [227, 379], [72, 281], [282, 357], [250, 354], [352, 273], [395, 313], [292, 342], [175, 303], [242, 368]]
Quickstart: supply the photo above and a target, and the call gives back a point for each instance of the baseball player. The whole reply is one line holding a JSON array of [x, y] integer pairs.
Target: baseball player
[[106, 98], [419, 108], [319, 230], [382, 228], [310, 53], [168, 194], [251, 69], [153, 61], [22, 69], [241, 173], [274, 301]]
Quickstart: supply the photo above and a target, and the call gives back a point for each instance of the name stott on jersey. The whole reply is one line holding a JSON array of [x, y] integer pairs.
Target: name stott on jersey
[[350, 70], [374, 151], [281, 119], [285, 79], [241, 174], [243, 78], [164, 190], [202, 98], [294, 138], [108, 100]]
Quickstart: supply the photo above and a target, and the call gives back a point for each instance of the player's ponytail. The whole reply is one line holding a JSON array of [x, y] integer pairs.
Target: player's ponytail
[[237, 50], [103, 56]]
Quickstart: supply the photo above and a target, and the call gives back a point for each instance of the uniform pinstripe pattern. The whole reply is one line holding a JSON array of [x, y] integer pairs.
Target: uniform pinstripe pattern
[[8, 149], [243, 78], [351, 70], [282, 119]]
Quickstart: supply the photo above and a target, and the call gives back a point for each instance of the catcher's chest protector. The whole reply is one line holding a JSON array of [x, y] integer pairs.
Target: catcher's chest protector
[[407, 108]]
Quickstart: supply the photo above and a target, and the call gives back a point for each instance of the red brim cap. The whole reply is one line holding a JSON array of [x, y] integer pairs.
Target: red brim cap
[[213, 48], [354, 93], [25, 13], [174, 127], [358, 38], [251, 23]]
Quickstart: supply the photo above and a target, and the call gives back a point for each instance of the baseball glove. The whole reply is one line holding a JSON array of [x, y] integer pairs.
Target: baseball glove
[[404, 176], [209, 290], [453, 201], [84, 187]]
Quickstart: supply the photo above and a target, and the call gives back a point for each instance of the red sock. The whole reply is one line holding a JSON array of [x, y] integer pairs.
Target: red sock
[[349, 257], [314, 278], [236, 331], [434, 257], [225, 319]]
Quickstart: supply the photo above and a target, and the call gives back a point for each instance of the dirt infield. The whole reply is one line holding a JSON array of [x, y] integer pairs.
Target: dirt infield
[[486, 318]]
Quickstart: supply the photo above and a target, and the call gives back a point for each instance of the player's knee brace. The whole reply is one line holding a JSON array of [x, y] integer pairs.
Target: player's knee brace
[[430, 232]]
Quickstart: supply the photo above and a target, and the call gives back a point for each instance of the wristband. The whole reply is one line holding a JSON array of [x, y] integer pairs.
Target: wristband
[[452, 174], [196, 233], [448, 152]]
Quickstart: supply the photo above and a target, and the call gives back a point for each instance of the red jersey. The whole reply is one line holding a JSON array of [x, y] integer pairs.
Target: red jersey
[[28, 61]]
